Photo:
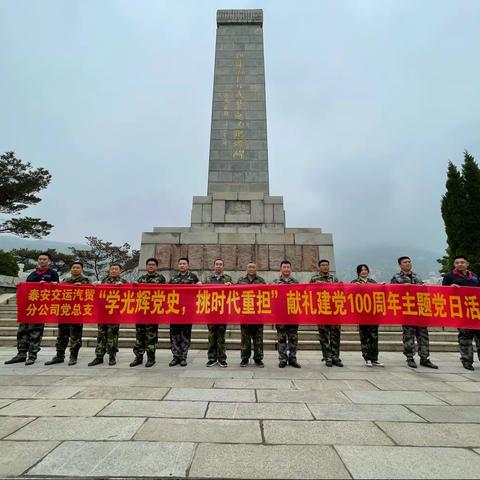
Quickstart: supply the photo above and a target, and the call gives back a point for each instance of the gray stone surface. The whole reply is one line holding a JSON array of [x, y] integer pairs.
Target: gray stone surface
[[433, 434], [393, 398], [459, 398], [18, 457], [24, 380], [79, 428], [54, 408], [409, 462], [152, 408], [324, 433], [394, 413], [9, 425], [282, 411], [274, 461], [302, 396], [211, 395], [117, 459], [199, 430], [329, 385], [38, 392], [255, 383], [127, 393], [5, 402], [456, 414], [413, 384]]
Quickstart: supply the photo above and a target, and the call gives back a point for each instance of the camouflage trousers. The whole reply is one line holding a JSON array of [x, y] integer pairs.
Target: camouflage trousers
[[107, 339], [369, 342], [410, 332], [251, 333], [216, 342], [29, 337], [287, 338], [465, 344], [72, 332], [180, 340], [330, 340], [146, 338]]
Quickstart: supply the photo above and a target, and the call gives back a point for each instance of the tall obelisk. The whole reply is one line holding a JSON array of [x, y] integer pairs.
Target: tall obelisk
[[238, 220]]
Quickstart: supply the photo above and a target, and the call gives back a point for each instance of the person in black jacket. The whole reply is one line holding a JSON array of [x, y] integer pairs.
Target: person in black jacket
[[461, 276], [29, 335]]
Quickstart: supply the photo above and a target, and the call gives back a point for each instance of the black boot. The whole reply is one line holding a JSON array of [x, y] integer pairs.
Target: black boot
[[112, 360], [150, 362], [96, 361], [31, 359], [58, 358], [137, 361], [72, 360], [18, 358]]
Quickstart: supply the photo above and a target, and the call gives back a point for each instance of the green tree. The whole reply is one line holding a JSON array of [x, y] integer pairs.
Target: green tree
[[19, 184], [8, 265], [61, 262], [100, 254], [460, 212]]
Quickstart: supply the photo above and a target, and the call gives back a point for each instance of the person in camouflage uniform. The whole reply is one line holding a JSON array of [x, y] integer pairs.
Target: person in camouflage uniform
[[410, 332], [29, 335], [329, 334], [368, 333], [181, 333], [107, 337], [461, 276], [251, 332], [216, 332], [287, 333], [70, 331], [146, 334]]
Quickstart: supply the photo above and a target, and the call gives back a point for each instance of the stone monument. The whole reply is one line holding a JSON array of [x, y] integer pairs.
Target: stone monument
[[238, 220]]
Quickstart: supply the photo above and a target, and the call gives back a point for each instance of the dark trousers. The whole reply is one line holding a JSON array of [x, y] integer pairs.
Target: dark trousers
[[369, 342], [146, 338], [251, 333], [287, 338], [29, 338], [180, 340], [410, 332], [66, 332], [216, 342], [465, 344], [107, 339], [330, 340]]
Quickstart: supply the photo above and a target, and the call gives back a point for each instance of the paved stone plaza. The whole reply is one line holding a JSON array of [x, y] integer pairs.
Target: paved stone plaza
[[200, 422]]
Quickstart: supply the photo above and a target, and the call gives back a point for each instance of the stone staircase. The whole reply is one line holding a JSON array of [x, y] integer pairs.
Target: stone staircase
[[441, 340]]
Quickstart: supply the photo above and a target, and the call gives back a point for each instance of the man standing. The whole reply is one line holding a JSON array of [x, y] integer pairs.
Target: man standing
[[329, 334], [216, 332], [146, 334], [287, 332], [251, 332], [72, 331], [181, 333], [107, 337], [410, 332], [29, 335], [461, 276]]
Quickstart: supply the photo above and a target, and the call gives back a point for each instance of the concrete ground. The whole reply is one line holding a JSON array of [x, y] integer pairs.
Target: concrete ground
[[200, 422]]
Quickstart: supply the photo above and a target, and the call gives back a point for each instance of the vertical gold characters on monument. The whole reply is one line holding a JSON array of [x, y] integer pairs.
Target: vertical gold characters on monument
[[239, 132]]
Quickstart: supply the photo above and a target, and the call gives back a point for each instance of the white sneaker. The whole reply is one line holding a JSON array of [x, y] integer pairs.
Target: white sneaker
[[368, 364], [377, 364]]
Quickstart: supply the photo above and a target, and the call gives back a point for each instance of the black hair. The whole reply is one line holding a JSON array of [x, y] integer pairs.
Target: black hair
[[401, 259], [46, 254], [285, 262], [116, 265], [184, 258], [460, 256], [359, 268], [76, 262], [219, 260], [152, 260], [324, 260]]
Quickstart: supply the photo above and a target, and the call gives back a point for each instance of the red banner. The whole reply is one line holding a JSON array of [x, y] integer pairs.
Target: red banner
[[315, 303]]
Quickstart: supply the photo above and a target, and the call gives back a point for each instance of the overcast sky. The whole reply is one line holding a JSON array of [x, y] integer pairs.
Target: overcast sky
[[366, 103]]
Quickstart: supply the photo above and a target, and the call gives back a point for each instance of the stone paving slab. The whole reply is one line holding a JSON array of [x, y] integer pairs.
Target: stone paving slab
[[21, 369], [301, 396], [122, 459], [323, 433], [450, 414], [198, 431], [394, 413], [54, 408], [261, 461], [281, 411], [410, 462], [254, 383], [334, 385], [9, 425], [6, 401], [69, 371], [164, 381], [224, 373], [385, 397], [211, 395], [414, 385], [79, 428], [433, 434], [124, 393], [22, 380], [468, 386], [17, 457], [289, 372], [437, 377], [17, 392], [459, 398], [152, 408]]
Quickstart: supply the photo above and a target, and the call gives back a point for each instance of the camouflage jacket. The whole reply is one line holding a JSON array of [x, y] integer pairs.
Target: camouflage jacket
[[359, 280], [113, 281], [285, 280], [184, 278], [246, 280], [402, 277], [154, 278], [223, 278], [79, 279], [321, 278]]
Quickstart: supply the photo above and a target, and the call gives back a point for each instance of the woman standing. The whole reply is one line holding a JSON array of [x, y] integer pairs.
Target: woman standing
[[368, 333]]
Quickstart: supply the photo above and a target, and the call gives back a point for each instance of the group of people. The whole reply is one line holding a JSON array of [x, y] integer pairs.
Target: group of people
[[29, 335]]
